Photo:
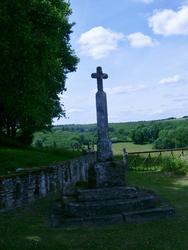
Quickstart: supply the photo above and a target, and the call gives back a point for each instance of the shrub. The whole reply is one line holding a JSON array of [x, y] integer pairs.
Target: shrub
[[163, 164], [174, 165]]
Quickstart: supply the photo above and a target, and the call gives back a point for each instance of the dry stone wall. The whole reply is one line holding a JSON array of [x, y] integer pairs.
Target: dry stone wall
[[27, 186]]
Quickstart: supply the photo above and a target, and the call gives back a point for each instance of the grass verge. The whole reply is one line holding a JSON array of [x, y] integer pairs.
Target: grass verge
[[11, 159]]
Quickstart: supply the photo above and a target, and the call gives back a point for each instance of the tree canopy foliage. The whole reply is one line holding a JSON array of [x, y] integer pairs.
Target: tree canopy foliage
[[166, 134], [36, 57]]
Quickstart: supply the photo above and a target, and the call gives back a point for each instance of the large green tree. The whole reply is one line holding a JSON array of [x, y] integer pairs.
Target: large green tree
[[36, 57]]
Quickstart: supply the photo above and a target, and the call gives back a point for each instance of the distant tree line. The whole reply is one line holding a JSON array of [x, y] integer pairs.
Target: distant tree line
[[166, 133], [79, 128], [163, 135], [36, 57], [116, 133]]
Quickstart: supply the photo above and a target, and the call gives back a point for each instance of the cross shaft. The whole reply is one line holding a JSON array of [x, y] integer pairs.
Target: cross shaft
[[104, 147]]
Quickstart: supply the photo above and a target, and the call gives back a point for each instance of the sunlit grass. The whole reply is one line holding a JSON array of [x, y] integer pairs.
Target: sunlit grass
[[130, 147]]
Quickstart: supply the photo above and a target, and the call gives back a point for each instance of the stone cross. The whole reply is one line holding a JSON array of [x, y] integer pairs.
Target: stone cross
[[104, 145]]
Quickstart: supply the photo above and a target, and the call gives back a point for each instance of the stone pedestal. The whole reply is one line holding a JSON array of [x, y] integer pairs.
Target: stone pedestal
[[109, 174], [110, 201], [108, 206]]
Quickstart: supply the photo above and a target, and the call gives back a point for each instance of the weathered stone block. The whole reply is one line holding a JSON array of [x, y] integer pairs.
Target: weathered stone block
[[105, 207], [107, 193], [149, 214], [109, 174]]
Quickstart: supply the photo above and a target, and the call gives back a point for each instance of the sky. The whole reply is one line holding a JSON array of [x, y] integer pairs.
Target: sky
[[143, 47]]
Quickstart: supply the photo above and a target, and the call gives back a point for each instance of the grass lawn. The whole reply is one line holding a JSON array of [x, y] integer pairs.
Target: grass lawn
[[11, 159], [130, 147], [28, 228]]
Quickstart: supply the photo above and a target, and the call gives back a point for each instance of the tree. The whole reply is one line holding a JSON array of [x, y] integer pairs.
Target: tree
[[141, 135], [173, 138], [166, 140], [36, 57], [80, 142]]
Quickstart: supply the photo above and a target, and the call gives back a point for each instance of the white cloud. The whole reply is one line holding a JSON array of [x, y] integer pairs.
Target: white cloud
[[99, 42], [124, 89], [139, 40], [169, 22], [170, 80]]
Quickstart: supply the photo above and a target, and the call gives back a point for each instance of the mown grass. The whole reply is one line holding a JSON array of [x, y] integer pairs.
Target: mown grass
[[27, 228], [12, 158], [130, 147]]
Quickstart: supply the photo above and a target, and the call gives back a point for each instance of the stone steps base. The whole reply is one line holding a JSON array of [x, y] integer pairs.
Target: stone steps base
[[57, 220], [108, 207], [149, 214]]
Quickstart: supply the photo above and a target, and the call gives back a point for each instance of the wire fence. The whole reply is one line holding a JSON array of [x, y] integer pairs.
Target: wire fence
[[152, 160]]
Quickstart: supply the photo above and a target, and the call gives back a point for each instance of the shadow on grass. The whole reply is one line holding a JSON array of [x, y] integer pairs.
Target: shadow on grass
[[172, 188]]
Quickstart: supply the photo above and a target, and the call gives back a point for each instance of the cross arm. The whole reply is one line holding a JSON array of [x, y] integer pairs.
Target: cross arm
[[99, 76], [104, 76], [94, 75]]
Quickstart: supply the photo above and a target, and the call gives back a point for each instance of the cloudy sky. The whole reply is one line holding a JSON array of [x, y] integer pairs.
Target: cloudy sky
[[143, 46]]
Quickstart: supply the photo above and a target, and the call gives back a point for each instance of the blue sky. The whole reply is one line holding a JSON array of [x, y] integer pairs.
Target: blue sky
[[143, 46]]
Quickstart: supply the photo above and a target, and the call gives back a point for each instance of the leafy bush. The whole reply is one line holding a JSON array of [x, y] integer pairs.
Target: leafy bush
[[174, 165], [173, 138], [146, 133], [163, 164]]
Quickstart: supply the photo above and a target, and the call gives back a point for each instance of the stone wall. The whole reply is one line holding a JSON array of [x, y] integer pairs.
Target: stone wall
[[27, 186]]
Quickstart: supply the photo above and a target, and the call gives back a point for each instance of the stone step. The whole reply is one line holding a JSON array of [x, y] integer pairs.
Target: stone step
[[110, 193], [57, 220], [149, 214], [106, 207]]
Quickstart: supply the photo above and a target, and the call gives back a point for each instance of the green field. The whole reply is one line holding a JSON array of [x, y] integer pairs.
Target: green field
[[11, 159], [130, 147], [59, 138], [27, 228]]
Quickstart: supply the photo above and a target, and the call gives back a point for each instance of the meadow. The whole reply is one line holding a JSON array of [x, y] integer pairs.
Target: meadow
[[130, 147]]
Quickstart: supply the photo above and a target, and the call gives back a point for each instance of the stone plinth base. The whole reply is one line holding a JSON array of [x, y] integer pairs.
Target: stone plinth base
[[110, 205], [109, 174], [109, 200], [104, 152], [142, 216]]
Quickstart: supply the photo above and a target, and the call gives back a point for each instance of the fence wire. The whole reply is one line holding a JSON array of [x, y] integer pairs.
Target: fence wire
[[151, 160]]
